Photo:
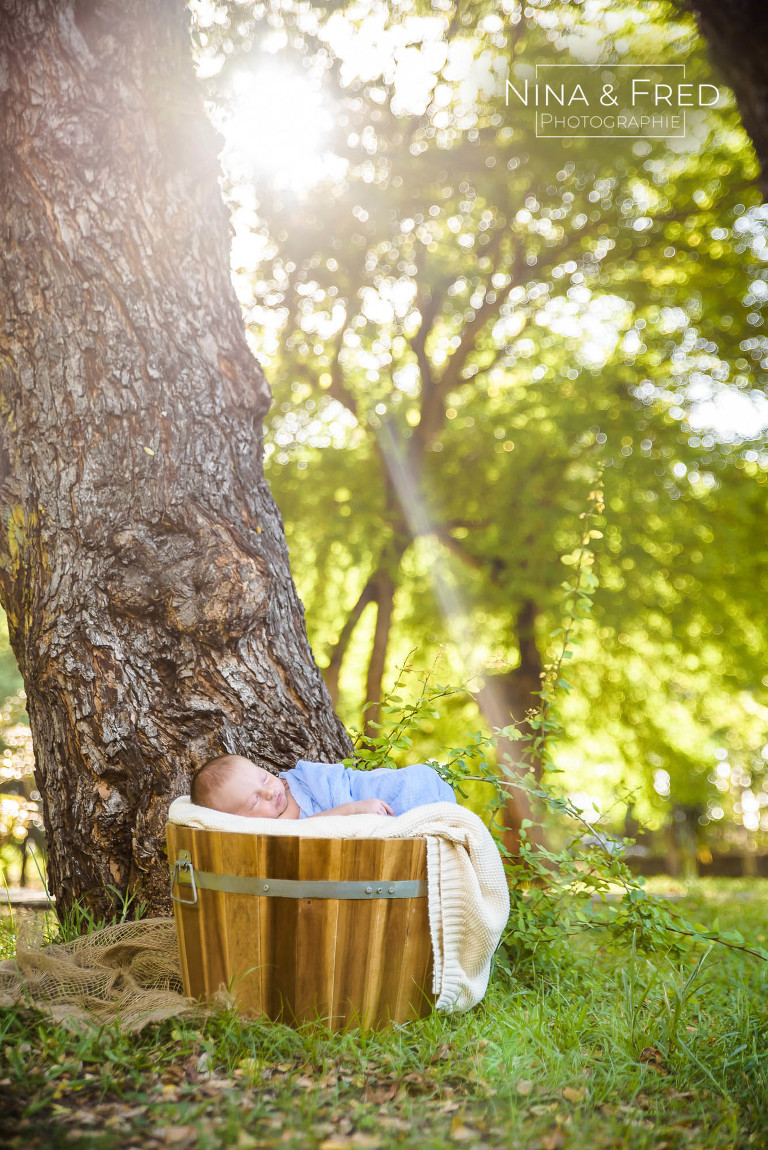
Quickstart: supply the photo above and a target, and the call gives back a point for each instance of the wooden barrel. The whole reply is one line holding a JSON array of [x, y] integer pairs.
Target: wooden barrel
[[334, 929]]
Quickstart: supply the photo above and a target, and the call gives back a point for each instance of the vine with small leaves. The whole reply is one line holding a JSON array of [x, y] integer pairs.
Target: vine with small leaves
[[577, 599]]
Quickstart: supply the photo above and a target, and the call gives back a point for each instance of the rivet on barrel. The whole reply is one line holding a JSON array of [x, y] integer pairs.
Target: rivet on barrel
[[369, 890]]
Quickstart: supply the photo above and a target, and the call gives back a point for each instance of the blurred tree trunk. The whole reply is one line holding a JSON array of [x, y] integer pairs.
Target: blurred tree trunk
[[736, 32], [142, 560], [509, 697], [339, 649], [385, 601], [385, 587]]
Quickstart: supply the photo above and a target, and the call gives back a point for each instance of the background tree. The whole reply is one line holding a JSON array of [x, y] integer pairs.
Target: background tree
[[143, 566], [737, 32]]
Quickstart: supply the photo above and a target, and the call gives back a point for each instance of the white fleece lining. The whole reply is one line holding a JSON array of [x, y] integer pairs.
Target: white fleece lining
[[467, 894]]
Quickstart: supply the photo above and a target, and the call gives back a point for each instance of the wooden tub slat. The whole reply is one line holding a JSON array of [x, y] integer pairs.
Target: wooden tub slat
[[282, 855], [316, 932], [414, 984], [405, 962], [373, 1004], [188, 928], [244, 932], [354, 931], [221, 971]]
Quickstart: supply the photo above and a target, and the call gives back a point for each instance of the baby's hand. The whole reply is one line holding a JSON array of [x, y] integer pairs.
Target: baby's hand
[[371, 807], [359, 807]]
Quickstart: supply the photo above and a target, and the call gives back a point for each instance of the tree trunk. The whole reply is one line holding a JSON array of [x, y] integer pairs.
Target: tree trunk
[[339, 649], [385, 601], [737, 35], [143, 564], [509, 697]]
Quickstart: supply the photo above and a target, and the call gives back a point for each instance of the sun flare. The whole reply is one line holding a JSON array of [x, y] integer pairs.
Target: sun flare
[[279, 125]]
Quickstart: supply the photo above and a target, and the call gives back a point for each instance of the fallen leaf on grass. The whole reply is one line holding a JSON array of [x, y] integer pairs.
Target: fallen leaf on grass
[[83, 1117], [420, 1081], [524, 1086], [653, 1059], [357, 1141], [246, 1141], [555, 1140], [248, 1068], [462, 1133], [174, 1135], [217, 1084], [539, 1108], [685, 1123], [379, 1093], [574, 1094], [191, 1069], [394, 1123]]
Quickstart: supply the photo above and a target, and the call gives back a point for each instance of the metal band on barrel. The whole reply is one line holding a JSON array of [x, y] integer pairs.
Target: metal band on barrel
[[185, 874]]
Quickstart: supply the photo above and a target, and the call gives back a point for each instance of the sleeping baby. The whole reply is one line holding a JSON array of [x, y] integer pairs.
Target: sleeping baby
[[235, 785]]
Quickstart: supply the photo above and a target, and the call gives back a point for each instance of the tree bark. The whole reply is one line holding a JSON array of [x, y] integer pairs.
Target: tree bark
[[736, 32], [143, 566]]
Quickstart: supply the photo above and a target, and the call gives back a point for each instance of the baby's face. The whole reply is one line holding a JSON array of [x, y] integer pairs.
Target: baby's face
[[253, 792]]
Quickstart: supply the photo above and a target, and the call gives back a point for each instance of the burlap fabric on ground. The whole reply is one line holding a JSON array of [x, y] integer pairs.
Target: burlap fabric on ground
[[128, 973]]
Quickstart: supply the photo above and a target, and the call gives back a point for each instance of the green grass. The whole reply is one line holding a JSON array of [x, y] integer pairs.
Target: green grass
[[596, 1047]]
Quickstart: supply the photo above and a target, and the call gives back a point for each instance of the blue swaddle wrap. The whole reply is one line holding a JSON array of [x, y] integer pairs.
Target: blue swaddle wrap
[[317, 787]]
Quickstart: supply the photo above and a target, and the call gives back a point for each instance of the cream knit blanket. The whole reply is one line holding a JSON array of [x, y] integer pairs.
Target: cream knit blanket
[[467, 889]]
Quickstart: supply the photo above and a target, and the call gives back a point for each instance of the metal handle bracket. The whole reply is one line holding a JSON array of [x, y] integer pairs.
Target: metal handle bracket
[[184, 865]]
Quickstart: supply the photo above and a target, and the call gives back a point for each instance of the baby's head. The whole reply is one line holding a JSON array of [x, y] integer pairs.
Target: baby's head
[[237, 786]]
